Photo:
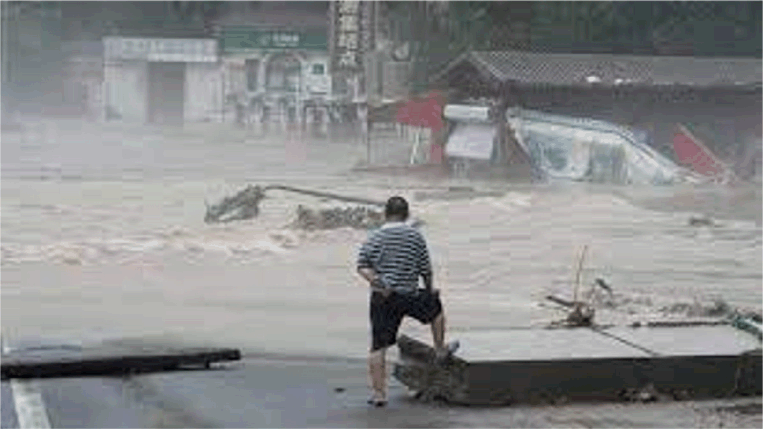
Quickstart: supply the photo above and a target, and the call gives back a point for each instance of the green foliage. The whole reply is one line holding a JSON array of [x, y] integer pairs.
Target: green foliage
[[483, 25]]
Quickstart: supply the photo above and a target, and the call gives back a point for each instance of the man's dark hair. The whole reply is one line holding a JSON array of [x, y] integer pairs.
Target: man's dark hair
[[396, 207]]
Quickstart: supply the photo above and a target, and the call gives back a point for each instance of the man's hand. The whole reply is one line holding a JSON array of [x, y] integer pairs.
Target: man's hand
[[378, 286]]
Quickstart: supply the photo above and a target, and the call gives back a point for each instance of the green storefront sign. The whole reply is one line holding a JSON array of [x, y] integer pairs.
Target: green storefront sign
[[246, 39]]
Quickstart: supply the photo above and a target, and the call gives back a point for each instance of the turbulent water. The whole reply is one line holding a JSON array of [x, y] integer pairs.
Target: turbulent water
[[103, 235]]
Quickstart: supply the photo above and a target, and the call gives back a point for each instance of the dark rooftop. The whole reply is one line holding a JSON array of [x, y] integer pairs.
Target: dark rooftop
[[609, 70]]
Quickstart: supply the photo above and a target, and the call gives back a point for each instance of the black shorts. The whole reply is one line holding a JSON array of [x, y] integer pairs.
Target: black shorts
[[387, 314]]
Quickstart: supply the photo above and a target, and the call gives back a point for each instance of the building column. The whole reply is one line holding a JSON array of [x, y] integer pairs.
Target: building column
[[262, 89]]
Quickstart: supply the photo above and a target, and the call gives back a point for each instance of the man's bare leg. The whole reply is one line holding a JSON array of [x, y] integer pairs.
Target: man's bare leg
[[378, 372], [442, 350], [438, 331]]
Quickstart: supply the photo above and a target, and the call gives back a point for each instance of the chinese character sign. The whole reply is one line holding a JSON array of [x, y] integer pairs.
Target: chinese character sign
[[285, 40], [349, 25], [367, 33], [183, 50]]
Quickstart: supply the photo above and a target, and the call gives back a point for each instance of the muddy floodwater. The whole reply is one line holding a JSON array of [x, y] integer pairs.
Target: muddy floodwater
[[103, 236]]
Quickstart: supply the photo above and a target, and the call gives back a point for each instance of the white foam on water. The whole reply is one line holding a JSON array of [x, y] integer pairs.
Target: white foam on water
[[97, 251]]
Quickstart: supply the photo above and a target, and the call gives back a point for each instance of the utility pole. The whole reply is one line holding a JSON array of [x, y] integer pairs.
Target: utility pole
[[10, 53], [420, 45]]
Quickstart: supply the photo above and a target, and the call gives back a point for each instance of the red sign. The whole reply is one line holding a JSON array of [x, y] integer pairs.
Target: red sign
[[690, 151], [425, 112]]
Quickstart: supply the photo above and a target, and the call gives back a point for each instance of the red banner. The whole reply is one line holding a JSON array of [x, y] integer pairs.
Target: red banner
[[691, 152], [425, 113]]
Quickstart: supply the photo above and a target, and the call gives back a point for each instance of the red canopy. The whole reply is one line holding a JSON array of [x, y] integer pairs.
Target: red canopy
[[425, 112]]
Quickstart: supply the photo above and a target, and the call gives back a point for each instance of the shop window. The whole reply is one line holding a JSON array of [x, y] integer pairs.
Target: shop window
[[252, 74], [283, 74]]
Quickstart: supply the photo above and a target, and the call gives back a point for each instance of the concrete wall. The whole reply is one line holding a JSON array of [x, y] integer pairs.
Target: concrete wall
[[203, 92], [83, 80], [125, 90], [125, 86]]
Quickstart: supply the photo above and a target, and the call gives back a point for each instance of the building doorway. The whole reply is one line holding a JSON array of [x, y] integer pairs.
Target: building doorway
[[166, 92]]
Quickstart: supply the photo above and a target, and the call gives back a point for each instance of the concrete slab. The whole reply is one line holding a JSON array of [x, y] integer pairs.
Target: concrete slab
[[527, 365], [689, 341], [542, 344]]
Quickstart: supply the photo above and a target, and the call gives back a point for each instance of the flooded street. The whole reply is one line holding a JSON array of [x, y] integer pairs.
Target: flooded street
[[103, 236]]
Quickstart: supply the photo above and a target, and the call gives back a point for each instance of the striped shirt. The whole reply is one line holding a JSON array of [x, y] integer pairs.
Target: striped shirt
[[398, 253]]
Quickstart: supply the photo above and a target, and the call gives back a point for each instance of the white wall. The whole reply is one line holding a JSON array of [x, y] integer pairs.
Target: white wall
[[203, 92], [125, 86]]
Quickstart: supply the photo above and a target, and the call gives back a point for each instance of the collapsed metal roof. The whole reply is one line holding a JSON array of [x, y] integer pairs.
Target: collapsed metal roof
[[609, 70]]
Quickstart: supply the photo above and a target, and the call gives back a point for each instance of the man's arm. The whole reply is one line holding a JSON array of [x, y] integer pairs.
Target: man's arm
[[428, 281], [368, 274], [365, 267], [374, 281], [425, 265]]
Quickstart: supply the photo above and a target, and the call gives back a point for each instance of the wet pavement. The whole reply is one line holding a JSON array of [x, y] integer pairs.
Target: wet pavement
[[265, 392]]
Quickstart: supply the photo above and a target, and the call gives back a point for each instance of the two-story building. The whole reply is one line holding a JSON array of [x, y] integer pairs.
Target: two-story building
[[275, 62]]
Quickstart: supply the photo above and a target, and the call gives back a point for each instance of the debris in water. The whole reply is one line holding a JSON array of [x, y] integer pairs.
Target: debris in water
[[718, 308], [581, 315], [243, 205], [602, 284], [339, 217], [701, 221]]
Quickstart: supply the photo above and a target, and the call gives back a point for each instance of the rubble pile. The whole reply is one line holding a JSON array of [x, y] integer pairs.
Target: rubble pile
[[243, 205], [716, 308], [338, 217]]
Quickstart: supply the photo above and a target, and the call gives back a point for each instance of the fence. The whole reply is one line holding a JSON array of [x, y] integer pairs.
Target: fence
[[395, 144]]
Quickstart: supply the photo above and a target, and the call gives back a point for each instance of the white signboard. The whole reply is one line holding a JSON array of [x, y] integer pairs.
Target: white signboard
[[473, 141], [319, 85], [161, 50], [458, 112]]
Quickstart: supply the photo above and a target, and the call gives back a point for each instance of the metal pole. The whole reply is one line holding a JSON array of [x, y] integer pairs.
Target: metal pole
[[366, 133]]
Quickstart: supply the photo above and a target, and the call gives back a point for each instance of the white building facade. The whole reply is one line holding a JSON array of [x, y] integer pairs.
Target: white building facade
[[162, 80]]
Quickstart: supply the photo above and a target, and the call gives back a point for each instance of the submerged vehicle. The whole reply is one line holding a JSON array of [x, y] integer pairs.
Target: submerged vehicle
[[556, 147], [564, 147]]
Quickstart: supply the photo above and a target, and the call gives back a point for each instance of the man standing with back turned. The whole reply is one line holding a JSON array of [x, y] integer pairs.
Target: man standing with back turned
[[392, 260]]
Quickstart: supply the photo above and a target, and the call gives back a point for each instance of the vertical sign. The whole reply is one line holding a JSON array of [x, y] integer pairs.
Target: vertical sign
[[367, 26], [351, 35], [367, 39]]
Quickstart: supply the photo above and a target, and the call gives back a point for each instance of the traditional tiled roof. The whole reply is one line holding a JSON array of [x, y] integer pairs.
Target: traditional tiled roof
[[610, 70]]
